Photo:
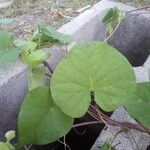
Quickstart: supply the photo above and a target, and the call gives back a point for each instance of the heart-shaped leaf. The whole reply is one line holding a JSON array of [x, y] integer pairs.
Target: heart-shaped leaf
[[92, 68], [139, 108], [40, 120]]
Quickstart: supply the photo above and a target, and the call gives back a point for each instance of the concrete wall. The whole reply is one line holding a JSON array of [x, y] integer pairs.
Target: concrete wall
[[13, 88], [13, 79], [5, 3]]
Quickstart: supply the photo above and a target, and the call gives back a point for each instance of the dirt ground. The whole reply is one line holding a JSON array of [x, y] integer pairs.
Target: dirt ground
[[53, 13], [50, 12]]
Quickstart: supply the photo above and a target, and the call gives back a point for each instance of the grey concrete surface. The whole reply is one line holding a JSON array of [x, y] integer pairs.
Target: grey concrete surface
[[132, 38], [5, 3], [142, 74], [147, 63], [131, 140], [13, 88]]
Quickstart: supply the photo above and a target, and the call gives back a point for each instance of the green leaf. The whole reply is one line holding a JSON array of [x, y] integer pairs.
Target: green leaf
[[143, 91], [139, 108], [94, 67], [40, 120], [48, 34], [36, 76], [62, 38], [34, 58], [107, 146], [112, 15], [112, 19], [26, 46], [5, 40], [4, 146], [8, 56], [10, 135], [43, 41], [7, 21], [30, 55]]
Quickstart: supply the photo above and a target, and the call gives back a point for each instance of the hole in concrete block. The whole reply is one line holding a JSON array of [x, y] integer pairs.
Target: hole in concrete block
[[148, 148], [132, 38]]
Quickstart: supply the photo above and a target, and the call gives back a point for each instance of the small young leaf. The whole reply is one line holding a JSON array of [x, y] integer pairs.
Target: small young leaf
[[111, 16], [95, 67], [26, 46], [107, 146], [54, 34], [62, 38], [10, 135], [34, 58], [40, 120], [48, 35]]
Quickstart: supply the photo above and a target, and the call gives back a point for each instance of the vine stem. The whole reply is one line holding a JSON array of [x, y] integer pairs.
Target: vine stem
[[48, 66], [48, 75], [86, 123], [146, 7], [112, 122], [64, 144], [14, 45]]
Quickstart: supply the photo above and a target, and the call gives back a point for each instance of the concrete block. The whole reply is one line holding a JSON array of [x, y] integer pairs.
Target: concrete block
[[13, 88], [123, 141], [142, 74], [147, 63], [5, 3], [88, 25], [132, 38]]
